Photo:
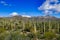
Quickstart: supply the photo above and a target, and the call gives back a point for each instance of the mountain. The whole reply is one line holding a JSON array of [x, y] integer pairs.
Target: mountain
[[38, 18], [46, 18]]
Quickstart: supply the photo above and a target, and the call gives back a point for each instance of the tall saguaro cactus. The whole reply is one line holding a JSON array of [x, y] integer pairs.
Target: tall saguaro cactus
[[58, 27], [49, 25], [44, 27], [35, 32], [23, 25]]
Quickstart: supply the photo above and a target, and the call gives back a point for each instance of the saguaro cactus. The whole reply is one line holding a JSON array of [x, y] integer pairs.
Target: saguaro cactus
[[49, 25], [35, 32]]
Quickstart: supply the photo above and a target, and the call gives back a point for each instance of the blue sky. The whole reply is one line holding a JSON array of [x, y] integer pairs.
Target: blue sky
[[22, 7]]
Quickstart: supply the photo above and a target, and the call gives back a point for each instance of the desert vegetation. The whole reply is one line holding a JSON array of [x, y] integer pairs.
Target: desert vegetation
[[35, 28]]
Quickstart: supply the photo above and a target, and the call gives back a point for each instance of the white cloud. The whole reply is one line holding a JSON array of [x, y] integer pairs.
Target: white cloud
[[49, 8], [5, 3], [52, 0], [14, 14], [26, 16], [2, 2]]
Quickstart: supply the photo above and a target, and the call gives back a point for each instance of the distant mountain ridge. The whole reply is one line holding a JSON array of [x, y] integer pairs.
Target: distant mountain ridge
[[38, 18]]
